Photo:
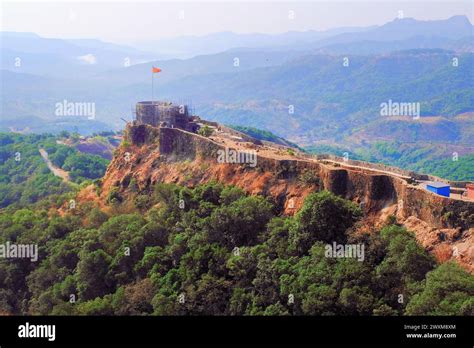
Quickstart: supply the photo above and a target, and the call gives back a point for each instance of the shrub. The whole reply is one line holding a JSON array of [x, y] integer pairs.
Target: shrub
[[205, 131], [309, 177], [114, 196]]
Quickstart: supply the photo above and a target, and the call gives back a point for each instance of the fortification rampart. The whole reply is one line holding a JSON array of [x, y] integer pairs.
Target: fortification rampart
[[169, 150]]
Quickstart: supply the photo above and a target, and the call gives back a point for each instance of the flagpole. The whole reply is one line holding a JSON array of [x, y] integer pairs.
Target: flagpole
[[152, 87]]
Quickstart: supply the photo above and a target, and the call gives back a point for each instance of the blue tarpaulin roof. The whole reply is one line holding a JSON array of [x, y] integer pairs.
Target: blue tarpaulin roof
[[437, 184]]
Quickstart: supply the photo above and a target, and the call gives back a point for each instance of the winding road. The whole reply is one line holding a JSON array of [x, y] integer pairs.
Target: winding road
[[55, 170]]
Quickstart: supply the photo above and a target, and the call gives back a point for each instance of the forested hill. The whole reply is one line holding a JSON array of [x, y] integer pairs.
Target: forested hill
[[224, 253], [329, 99], [210, 249], [24, 174]]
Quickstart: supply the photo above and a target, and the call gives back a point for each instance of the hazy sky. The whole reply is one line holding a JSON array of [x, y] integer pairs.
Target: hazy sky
[[127, 21]]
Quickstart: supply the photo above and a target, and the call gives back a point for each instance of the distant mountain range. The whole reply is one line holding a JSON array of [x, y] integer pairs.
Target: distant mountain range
[[71, 59], [189, 46], [453, 28], [330, 100], [257, 79]]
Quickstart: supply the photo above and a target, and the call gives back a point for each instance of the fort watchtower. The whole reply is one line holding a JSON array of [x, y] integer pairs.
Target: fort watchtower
[[164, 114]]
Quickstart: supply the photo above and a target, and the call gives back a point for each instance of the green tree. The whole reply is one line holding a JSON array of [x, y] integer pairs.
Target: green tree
[[91, 271], [448, 290], [323, 217], [239, 223]]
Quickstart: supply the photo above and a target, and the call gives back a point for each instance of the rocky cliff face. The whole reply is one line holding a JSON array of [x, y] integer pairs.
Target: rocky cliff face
[[150, 155]]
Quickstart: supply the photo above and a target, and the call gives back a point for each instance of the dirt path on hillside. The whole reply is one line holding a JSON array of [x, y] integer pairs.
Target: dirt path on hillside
[[55, 170]]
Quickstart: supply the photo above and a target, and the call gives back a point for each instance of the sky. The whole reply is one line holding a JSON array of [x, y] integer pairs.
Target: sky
[[132, 21]]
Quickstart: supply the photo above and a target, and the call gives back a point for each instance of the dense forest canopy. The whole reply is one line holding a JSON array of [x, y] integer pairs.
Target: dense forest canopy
[[214, 250]]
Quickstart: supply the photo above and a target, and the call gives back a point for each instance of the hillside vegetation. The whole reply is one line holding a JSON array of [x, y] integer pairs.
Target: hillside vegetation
[[266, 135], [25, 177], [212, 250], [442, 161]]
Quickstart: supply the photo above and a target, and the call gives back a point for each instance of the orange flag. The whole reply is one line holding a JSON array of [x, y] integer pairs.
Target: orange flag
[[155, 70]]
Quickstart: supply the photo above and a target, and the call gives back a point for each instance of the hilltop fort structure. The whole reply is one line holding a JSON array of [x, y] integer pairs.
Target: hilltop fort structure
[[163, 150], [165, 114]]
